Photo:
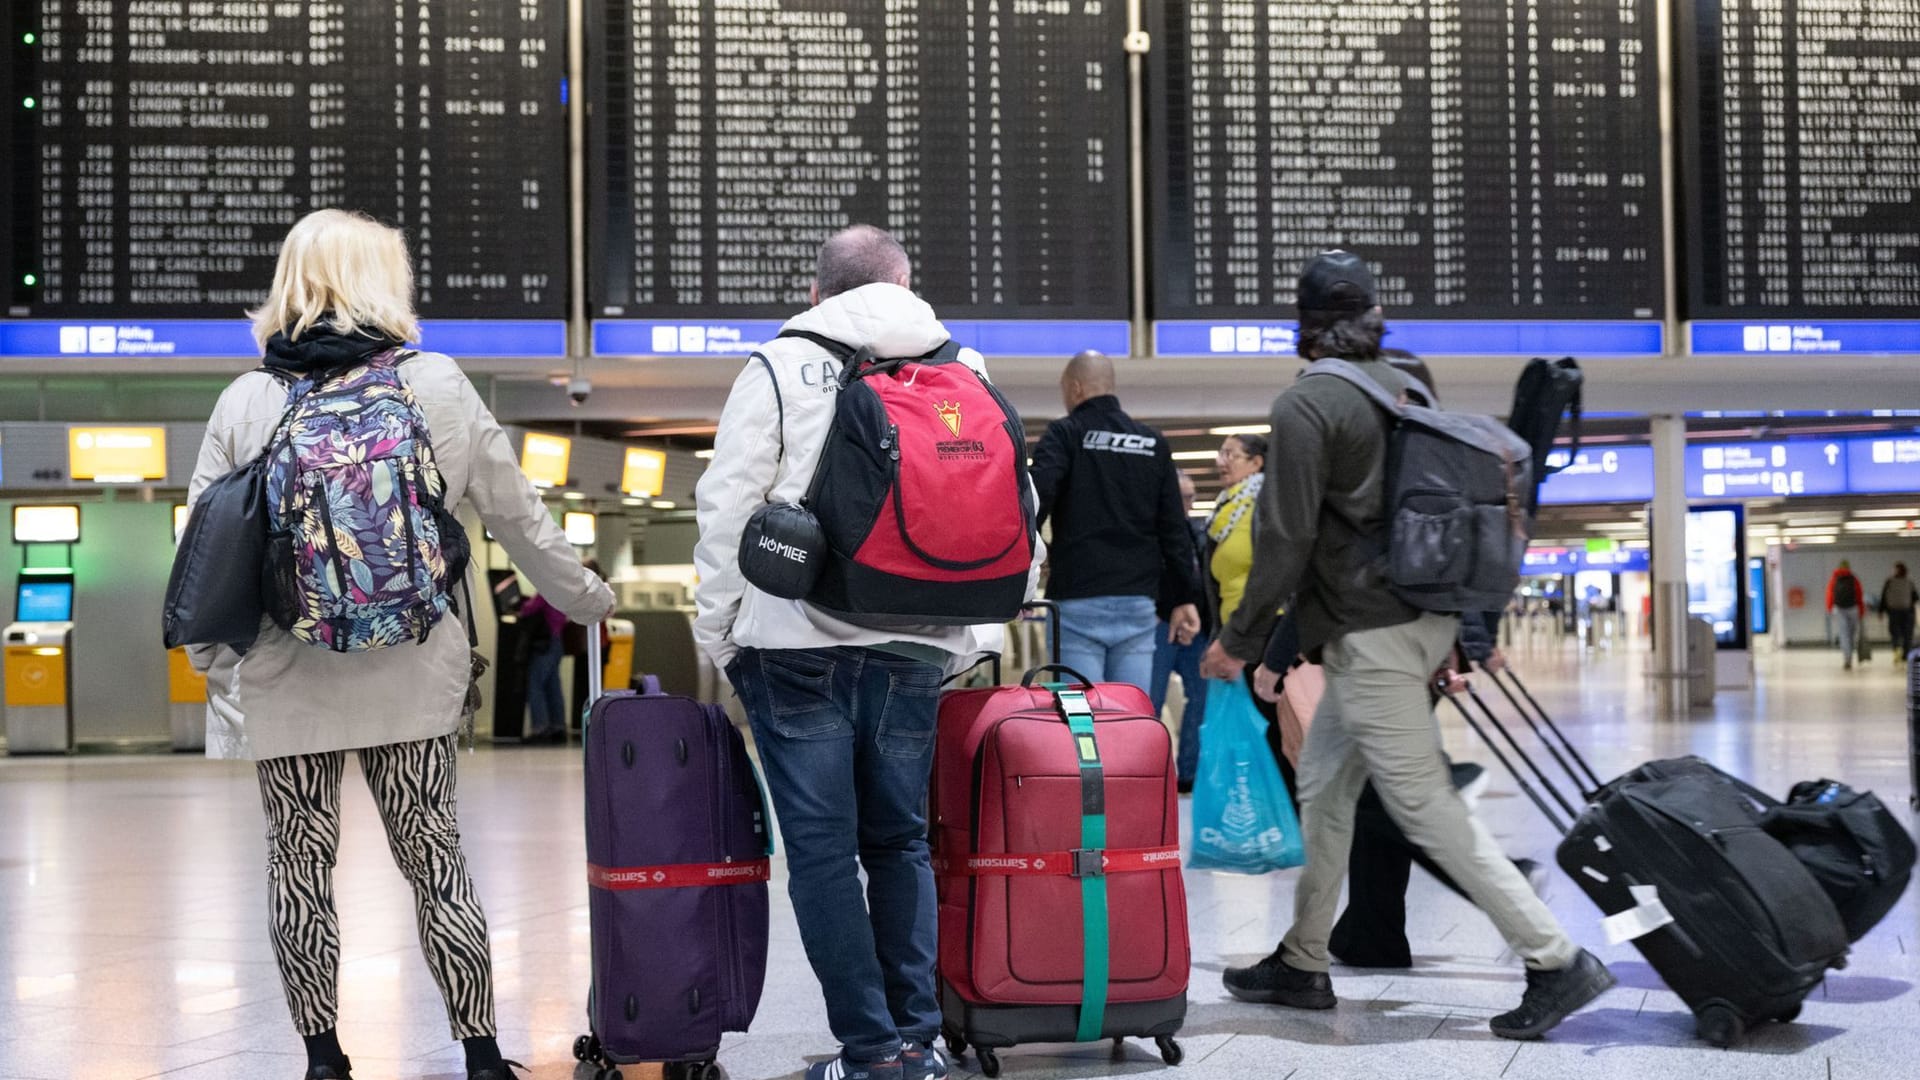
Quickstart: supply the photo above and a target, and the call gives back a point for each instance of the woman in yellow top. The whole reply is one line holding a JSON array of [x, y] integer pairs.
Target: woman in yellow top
[[1242, 462]]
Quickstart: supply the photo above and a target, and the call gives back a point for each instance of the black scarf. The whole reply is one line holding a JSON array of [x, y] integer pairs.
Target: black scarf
[[322, 350]]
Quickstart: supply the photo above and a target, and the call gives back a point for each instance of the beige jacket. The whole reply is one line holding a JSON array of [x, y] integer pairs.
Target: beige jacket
[[286, 697]]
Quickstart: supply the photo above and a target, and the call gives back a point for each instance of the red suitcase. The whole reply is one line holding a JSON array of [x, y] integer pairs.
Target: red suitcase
[[1056, 826]]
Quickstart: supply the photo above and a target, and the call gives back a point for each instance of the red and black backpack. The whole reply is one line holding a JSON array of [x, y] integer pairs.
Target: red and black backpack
[[925, 512]]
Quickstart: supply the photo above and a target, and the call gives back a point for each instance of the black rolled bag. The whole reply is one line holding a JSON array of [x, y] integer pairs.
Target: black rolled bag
[[1853, 846]]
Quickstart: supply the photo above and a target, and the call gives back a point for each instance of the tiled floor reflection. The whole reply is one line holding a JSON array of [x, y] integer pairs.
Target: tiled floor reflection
[[133, 944]]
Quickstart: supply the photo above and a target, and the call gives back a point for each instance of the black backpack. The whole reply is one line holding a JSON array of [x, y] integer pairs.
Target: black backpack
[[1548, 390], [1846, 591], [1457, 493], [1850, 843]]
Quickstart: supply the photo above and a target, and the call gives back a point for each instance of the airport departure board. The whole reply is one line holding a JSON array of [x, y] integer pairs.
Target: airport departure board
[[158, 150], [733, 136], [1800, 124], [1496, 159]]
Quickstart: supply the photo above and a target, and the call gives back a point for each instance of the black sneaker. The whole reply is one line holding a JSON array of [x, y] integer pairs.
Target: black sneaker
[[1273, 981], [344, 1071], [1184, 787], [1552, 996], [502, 1071]]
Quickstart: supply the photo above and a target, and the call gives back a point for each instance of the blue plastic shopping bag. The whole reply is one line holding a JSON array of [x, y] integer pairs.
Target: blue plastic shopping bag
[[1243, 820]]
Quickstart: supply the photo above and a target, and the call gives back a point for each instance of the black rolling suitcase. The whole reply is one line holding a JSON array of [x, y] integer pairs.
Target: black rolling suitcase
[[1675, 856]]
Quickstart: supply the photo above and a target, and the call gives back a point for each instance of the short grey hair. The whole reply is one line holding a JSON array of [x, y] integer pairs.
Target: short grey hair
[[859, 255]]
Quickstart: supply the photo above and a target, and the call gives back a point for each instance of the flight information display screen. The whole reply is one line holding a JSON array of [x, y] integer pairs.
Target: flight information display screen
[[1494, 159], [158, 150], [733, 136], [1800, 154]]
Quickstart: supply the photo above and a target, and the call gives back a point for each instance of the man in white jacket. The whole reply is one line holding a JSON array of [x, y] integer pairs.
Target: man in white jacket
[[843, 715]]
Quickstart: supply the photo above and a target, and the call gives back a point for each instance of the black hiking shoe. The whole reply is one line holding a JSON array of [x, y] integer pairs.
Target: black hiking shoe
[[1273, 981], [1552, 996], [342, 1071]]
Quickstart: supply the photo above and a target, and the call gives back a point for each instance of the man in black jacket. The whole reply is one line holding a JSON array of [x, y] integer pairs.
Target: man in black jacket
[[1321, 517], [1108, 484]]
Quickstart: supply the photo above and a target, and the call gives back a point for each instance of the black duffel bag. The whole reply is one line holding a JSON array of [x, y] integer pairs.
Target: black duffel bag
[[217, 591], [1857, 850], [214, 592]]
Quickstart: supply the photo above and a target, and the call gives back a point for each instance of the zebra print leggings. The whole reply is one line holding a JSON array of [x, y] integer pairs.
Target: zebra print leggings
[[413, 785]]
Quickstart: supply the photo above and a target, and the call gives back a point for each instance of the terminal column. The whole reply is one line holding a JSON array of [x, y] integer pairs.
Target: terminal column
[[1667, 526]]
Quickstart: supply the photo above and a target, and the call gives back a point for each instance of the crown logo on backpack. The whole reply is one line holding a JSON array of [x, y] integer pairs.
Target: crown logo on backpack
[[950, 415]]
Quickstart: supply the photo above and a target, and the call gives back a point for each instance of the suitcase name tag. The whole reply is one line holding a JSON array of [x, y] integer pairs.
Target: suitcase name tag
[[1644, 917]]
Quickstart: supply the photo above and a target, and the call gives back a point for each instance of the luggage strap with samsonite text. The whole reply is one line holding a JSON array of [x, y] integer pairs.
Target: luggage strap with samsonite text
[[683, 876]]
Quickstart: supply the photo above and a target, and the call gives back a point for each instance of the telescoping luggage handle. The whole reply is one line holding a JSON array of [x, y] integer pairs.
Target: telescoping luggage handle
[[1585, 782], [1052, 611]]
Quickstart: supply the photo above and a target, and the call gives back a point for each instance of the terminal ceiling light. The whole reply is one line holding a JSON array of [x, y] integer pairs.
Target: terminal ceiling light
[[633, 502], [703, 455], [1242, 429], [1195, 455], [1875, 526], [574, 496], [664, 504], [1895, 512], [1827, 539]]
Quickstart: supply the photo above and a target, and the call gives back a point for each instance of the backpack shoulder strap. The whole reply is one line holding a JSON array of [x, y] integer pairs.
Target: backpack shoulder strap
[[840, 349], [779, 402], [1346, 372]]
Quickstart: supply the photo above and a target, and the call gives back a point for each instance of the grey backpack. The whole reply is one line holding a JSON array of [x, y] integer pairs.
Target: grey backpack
[[1457, 492]]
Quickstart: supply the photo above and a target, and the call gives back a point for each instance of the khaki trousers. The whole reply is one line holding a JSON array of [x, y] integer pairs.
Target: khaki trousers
[[1377, 720]]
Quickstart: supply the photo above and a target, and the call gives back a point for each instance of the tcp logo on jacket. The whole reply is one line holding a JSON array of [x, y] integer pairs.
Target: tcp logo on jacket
[[1120, 442]]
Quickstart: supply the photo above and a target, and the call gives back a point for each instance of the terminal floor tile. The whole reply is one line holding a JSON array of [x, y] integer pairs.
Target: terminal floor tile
[[133, 939]]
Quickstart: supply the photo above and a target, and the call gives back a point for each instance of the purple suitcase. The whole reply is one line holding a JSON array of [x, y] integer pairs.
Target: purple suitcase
[[677, 852]]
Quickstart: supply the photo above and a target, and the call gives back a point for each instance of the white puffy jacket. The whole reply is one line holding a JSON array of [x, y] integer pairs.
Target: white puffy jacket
[[749, 471]]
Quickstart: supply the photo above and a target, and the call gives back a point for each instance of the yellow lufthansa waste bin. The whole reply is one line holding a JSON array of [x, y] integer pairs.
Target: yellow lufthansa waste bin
[[186, 702], [617, 674]]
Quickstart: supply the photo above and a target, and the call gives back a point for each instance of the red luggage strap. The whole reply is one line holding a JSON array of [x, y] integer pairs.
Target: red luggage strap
[[1078, 863], [684, 876]]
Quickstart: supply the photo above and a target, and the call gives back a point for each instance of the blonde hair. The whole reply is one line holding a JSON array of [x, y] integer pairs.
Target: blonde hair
[[345, 267]]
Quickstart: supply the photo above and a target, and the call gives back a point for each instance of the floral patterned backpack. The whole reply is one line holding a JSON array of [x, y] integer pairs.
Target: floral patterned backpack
[[361, 551]]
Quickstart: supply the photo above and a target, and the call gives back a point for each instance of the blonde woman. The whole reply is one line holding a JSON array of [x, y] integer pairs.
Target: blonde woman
[[342, 296]]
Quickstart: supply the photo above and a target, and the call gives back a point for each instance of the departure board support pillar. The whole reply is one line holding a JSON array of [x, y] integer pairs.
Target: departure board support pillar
[[1669, 181], [1667, 525], [1137, 45], [577, 328]]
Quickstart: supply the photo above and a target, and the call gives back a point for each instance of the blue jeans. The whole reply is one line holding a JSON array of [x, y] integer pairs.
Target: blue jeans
[[846, 740], [544, 698], [1109, 638], [1170, 659]]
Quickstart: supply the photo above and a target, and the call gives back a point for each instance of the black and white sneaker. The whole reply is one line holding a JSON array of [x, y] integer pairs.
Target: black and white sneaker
[[1552, 996], [922, 1061], [840, 1068]]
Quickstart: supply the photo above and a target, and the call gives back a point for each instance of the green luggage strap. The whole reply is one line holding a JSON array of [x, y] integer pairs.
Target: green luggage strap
[[1089, 861]]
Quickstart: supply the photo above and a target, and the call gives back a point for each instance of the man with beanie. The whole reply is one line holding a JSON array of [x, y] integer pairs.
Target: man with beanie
[[1320, 521]]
